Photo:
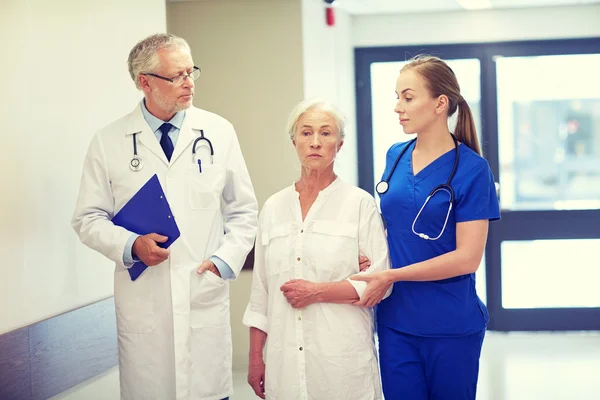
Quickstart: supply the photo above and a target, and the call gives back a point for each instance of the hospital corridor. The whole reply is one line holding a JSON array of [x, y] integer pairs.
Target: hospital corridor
[[202, 193]]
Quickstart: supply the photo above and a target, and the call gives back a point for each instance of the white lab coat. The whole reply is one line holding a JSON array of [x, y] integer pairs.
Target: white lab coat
[[323, 351], [173, 325]]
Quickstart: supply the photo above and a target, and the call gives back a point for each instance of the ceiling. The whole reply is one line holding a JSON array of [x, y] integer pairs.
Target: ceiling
[[364, 7], [367, 7]]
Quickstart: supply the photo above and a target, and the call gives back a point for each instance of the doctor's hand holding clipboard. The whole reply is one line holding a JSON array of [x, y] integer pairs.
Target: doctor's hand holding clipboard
[[147, 250], [145, 214]]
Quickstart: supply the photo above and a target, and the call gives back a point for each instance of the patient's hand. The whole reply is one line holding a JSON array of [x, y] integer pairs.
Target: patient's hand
[[256, 375], [300, 293]]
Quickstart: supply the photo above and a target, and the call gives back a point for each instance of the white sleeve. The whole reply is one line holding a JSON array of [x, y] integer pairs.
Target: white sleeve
[[95, 207], [239, 212], [256, 311], [372, 243]]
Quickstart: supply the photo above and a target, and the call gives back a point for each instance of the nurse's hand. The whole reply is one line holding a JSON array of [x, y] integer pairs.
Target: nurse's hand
[[256, 375], [146, 249], [209, 266], [300, 293], [363, 263], [378, 284]]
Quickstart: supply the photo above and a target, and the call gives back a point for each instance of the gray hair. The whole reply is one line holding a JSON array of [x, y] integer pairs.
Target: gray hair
[[315, 104], [143, 58]]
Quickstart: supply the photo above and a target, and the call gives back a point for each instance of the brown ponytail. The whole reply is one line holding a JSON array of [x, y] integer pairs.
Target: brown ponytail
[[465, 126], [441, 81]]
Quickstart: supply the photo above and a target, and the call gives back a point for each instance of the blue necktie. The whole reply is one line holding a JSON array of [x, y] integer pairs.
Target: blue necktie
[[165, 140]]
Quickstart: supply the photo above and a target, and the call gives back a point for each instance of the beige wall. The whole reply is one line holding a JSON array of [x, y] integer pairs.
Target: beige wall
[[63, 76], [328, 62], [250, 53]]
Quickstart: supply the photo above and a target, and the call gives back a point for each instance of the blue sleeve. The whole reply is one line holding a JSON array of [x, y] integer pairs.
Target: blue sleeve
[[128, 258], [224, 269], [478, 199]]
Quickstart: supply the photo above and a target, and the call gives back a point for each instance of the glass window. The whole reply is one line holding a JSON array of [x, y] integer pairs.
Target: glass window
[[550, 273], [549, 132], [480, 286]]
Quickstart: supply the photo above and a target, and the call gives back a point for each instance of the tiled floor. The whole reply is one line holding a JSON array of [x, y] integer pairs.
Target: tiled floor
[[515, 366], [106, 387], [540, 366]]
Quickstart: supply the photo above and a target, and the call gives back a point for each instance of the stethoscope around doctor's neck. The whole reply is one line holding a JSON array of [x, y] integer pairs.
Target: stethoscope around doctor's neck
[[136, 163], [383, 186]]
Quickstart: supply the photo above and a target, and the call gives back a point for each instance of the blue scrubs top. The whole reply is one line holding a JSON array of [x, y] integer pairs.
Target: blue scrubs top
[[449, 307]]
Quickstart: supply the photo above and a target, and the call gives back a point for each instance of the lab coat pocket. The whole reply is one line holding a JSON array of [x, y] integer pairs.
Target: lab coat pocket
[[205, 188], [134, 302], [209, 300], [334, 250], [277, 249]]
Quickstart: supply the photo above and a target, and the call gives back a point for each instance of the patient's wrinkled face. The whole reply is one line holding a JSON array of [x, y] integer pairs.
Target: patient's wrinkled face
[[317, 140]]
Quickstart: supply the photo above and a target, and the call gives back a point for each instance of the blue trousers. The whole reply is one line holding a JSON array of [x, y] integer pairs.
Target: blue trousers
[[428, 368]]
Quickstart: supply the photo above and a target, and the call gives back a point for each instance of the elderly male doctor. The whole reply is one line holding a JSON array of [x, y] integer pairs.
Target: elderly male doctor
[[173, 321]]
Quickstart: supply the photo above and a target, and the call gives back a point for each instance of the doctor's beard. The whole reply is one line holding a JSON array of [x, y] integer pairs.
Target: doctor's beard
[[169, 106]]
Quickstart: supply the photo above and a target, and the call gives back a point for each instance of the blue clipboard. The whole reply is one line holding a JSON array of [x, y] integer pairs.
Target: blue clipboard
[[148, 211]]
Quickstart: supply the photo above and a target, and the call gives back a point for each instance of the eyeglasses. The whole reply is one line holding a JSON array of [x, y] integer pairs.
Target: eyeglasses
[[179, 79]]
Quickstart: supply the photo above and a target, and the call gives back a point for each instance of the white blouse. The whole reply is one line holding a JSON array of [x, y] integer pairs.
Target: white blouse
[[324, 351]]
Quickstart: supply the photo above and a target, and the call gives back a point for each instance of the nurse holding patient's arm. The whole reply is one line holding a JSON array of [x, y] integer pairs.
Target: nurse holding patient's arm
[[437, 198]]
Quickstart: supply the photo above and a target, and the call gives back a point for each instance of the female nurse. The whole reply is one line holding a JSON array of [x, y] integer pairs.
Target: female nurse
[[437, 198]]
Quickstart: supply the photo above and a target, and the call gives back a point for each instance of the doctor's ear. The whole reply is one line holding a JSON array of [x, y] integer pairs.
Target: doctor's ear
[[442, 104], [144, 84]]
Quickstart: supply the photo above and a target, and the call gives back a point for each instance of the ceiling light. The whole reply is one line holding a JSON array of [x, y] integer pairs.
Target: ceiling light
[[475, 4]]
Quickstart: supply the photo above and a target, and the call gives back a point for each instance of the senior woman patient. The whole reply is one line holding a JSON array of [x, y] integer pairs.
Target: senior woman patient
[[317, 344]]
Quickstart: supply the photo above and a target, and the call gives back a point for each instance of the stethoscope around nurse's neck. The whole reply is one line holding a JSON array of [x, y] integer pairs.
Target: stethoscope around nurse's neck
[[383, 186], [136, 163]]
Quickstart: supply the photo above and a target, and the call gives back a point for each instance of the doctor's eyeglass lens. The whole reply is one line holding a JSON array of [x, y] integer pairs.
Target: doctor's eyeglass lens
[[179, 79]]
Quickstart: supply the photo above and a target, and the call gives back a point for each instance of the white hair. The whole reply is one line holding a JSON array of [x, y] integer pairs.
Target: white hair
[[315, 104], [143, 58]]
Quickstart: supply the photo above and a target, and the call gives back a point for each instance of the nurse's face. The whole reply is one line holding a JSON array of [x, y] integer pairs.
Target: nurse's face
[[317, 140], [416, 107], [170, 98]]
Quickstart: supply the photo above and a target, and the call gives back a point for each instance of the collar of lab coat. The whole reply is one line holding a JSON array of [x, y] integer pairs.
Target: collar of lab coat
[[188, 132]]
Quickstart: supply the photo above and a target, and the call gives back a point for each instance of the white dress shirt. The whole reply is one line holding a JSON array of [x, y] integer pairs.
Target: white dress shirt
[[324, 351]]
